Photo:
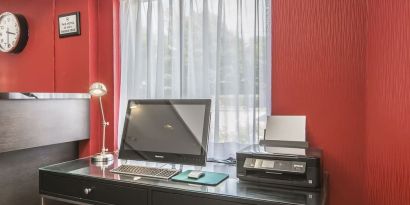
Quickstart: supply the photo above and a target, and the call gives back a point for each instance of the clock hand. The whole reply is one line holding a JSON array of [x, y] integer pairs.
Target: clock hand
[[8, 41], [10, 33]]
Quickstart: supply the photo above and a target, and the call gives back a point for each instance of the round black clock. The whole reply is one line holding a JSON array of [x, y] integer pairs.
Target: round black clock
[[13, 32]]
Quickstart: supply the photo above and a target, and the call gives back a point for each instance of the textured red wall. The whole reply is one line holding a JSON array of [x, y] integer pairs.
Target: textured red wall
[[318, 70], [48, 63], [33, 69], [74, 55], [53, 64], [107, 58], [388, 102]]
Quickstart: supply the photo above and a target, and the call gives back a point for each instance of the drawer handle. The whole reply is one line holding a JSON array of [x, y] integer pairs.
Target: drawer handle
[[87, 191]]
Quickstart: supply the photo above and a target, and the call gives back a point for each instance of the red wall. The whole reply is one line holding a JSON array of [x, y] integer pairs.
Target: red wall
[[33, 69], [48, 63], [318, 70], [388, 102], [107, 60], [53, 64], [345, 64], [74, 56]]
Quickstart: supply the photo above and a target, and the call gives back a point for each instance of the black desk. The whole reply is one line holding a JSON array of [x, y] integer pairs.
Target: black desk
[[68, 182]]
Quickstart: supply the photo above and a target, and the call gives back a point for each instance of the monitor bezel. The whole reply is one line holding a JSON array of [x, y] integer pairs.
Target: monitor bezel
[[188, 159]]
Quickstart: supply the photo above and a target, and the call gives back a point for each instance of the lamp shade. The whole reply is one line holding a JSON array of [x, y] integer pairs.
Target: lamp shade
[[97, 89]]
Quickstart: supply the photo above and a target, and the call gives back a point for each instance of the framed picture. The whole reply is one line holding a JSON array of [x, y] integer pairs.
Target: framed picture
[[69, 24]]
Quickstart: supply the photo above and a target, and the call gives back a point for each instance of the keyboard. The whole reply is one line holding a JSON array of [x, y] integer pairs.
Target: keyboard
[[145, 171]]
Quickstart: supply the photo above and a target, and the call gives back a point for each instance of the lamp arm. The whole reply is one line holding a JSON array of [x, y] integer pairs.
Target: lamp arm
[[102, 110], [105, 124]]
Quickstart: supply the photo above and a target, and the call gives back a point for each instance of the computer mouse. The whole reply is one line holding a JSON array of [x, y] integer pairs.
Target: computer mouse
[[195, 174]]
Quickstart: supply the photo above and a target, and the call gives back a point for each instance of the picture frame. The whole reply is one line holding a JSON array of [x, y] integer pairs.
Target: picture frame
[[69, 24]]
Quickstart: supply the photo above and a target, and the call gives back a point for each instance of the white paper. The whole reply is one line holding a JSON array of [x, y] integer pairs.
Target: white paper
[[285, 150], [286, 128]]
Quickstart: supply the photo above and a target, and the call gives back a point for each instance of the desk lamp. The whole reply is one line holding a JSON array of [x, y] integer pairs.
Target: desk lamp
[[98, 89]]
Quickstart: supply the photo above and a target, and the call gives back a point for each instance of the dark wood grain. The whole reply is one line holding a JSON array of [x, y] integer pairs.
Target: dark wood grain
[[47, 201], [101, 192], [33, 123], [19, 171]]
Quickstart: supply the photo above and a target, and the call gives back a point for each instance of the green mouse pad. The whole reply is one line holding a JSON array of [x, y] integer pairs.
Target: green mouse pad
[[210, 178]]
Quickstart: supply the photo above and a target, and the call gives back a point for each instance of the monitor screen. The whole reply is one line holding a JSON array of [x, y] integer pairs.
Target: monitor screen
[[174, 131]]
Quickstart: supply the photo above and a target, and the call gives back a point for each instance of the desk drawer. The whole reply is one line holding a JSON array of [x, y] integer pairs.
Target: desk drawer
[[90, 190], [163, 198]]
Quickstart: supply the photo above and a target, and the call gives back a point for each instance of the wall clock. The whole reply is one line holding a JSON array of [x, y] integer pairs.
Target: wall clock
[[13, 32]]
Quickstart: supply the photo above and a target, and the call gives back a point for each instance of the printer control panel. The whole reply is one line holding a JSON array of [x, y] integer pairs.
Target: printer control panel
[[275, 165]]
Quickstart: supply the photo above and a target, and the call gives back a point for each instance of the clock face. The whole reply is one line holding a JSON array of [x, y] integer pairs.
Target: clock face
[[9, 32]]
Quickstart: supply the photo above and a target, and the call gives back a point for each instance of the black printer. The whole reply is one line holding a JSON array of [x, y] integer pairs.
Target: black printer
[[297, 167]]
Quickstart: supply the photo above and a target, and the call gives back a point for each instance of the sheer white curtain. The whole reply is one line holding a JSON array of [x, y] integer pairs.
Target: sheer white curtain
[[218, 49]]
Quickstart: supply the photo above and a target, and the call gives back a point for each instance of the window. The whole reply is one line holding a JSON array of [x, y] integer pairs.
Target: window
[[218, 49]]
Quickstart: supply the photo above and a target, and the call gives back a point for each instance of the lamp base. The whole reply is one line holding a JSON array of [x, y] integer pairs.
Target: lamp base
[[102, 157]]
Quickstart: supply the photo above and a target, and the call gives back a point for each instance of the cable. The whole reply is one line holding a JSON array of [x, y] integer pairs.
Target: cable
[[228, 161]]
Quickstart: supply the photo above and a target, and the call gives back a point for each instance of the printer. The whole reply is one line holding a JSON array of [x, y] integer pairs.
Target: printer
[[283, 166], [283, 157]]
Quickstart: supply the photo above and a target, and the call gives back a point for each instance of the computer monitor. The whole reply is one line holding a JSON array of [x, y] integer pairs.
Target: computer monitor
[[169, 131]]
